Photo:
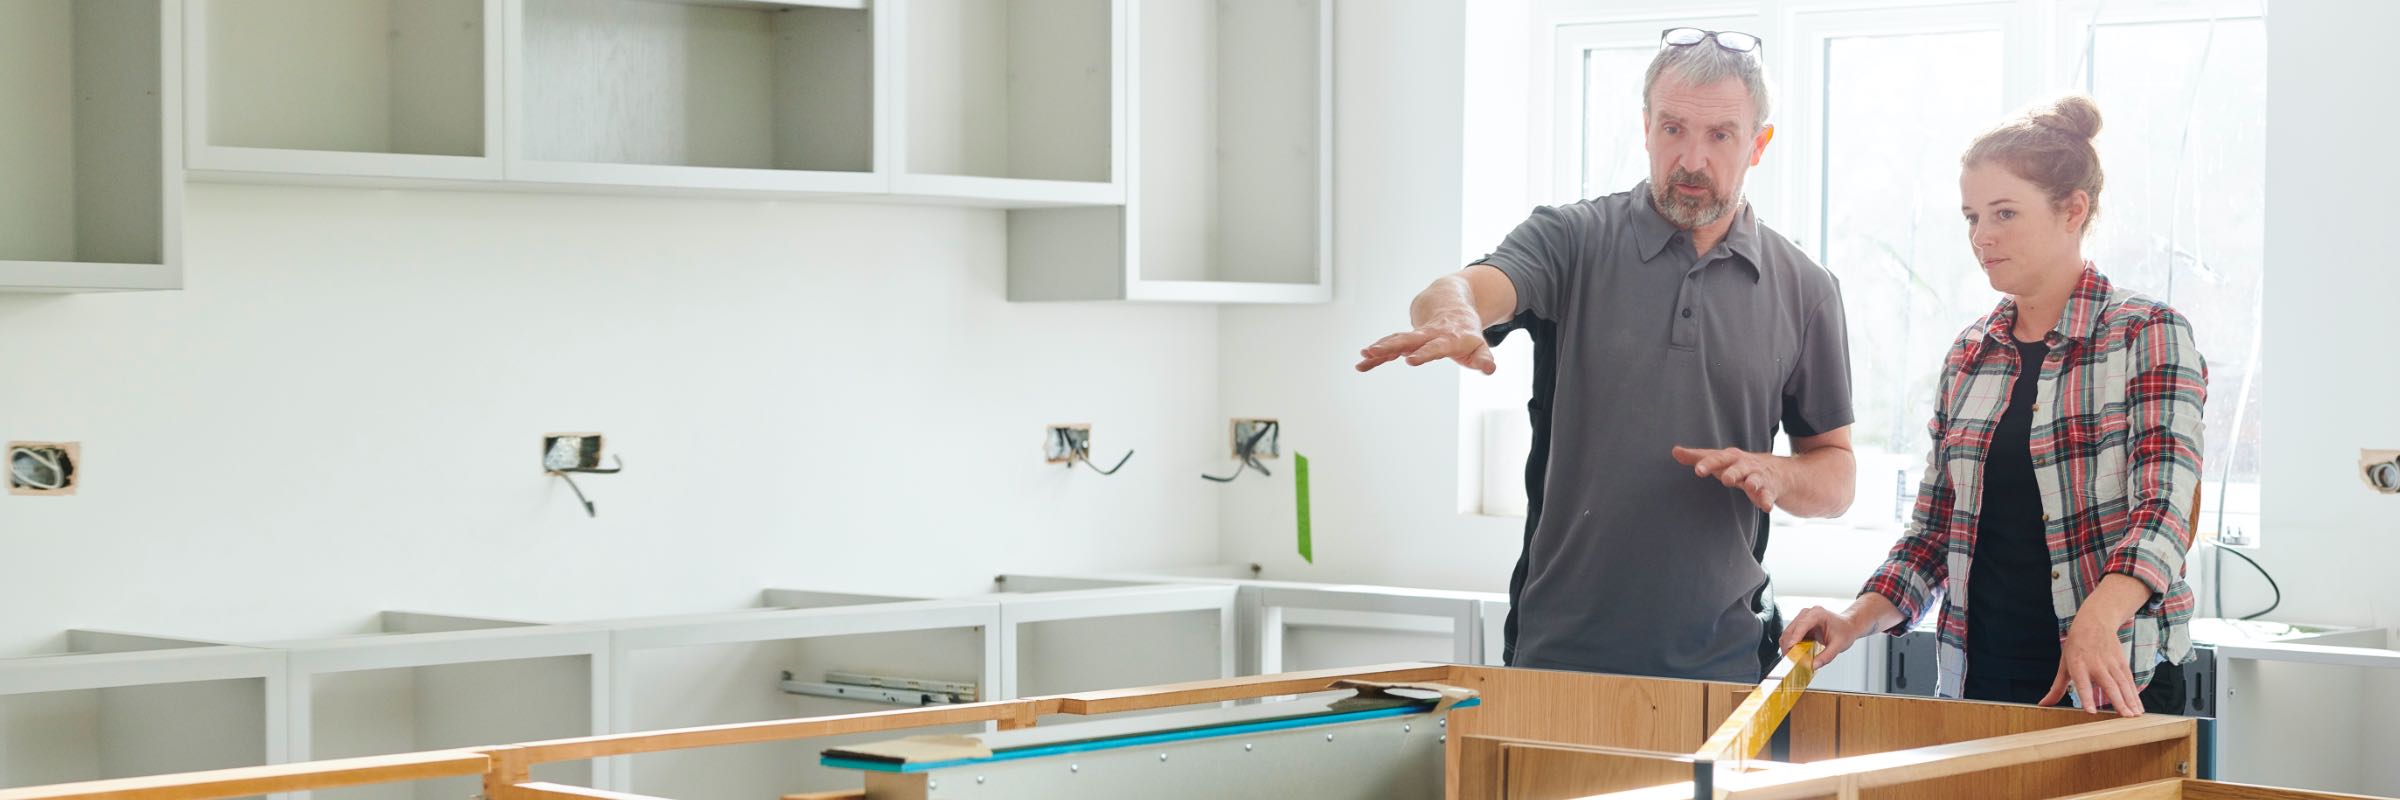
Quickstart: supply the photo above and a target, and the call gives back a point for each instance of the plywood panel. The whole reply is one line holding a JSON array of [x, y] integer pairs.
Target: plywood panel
[[2055, 777], [1880, 723], [1549, 772], [2213, 790], [1655, 714], [2154, 790], [1474, 768], [1581, 708], [1816, 728]]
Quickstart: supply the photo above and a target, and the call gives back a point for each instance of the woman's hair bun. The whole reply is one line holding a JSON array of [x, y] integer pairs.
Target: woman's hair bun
[[2074, 114]]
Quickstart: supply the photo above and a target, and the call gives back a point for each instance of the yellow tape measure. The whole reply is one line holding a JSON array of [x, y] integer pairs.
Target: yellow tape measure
[[1755, 720]]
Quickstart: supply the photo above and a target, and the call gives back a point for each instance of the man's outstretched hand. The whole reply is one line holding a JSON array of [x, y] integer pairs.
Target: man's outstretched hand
[[1454, 339]]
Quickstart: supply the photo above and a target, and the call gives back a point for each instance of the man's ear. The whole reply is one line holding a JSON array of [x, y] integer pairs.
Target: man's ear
[[1758, 149]]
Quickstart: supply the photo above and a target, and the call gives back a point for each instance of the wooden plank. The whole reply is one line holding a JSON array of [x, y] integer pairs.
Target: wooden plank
[[843, 794], [2154, 790], [246, 781], [1655, 714], [1221, 690], [1478, 771], [1871, 724], [2218, 790], [2152, 746], [1719, 700], [1816, 726], [544, 790], [1533, 771], [768, 731]]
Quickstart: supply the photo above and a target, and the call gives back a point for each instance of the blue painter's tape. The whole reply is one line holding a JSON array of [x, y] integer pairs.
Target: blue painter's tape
[[1144, 740]]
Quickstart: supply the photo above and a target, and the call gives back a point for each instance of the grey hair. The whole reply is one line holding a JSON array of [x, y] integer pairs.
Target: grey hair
[[1704, 64]]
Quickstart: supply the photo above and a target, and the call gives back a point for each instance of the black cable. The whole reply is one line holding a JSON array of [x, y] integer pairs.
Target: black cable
[[1248, 455], [1085, 456], [1082, 451], [2262, 572], [2216, 576], [588, 510]]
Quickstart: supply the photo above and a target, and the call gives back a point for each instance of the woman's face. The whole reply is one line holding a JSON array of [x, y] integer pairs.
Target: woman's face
[[2022, 242]]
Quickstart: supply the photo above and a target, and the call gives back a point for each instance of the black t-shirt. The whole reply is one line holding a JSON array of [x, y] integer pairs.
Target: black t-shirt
[[2012, 631]]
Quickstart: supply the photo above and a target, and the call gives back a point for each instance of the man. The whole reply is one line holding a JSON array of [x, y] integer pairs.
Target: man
[[1677, 335]]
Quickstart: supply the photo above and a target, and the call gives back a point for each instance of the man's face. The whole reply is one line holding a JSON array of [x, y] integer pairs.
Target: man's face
[[1702, 141]]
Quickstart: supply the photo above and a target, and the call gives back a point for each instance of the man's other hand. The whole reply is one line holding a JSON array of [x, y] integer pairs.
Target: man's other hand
[[1455, 339], [1758, 475]]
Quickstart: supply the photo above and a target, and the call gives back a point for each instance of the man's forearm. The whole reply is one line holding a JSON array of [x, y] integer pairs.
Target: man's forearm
[[1450, 299], [1821, 482]]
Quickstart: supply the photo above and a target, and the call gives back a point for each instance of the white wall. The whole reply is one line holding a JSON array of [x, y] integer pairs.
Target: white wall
[[1386, 445], [2333, 385], [1383, 452], [342, 413]]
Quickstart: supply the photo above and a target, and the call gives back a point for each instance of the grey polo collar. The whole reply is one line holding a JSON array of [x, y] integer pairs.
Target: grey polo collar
[[1652, 232]]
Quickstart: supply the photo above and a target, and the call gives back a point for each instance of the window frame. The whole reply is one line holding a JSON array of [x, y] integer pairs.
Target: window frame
[[2046, 44]]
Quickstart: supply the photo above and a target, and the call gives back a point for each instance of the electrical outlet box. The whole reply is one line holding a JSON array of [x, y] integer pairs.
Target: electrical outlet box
[[2380, 469], [570, 451], [1064, 442], [44, 468], [1267, 447]]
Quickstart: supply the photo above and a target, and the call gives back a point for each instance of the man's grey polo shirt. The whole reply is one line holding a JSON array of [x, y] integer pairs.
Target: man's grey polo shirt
[[1636, 565]]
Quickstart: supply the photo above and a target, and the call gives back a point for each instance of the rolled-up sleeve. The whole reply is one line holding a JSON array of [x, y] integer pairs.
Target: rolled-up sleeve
[[2163, 401]]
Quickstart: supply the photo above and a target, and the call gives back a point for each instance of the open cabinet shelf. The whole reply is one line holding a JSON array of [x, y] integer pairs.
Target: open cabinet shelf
[[1230, 195], [1012, 102], [409, 682], [768, 96], [91, 101], [363, 88], [704, 669], [110, 705]]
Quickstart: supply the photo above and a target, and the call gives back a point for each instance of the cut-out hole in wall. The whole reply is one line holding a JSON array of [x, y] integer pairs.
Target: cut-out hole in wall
[[570, 451], [1260, 435], [1066, 443], [43, 468]]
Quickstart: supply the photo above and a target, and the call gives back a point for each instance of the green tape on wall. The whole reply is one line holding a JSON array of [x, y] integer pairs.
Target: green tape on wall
[[1300, 501]]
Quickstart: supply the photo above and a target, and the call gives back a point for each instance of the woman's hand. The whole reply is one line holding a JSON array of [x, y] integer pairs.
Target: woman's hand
[[2091, 661], [1837, 631], [1824, 625]]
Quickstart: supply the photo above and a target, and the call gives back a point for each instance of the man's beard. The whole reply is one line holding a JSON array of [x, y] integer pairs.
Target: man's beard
[[1690, 213]]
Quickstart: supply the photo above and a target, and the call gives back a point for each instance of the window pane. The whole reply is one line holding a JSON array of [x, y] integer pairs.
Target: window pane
[[1899, 110], [2181, 218], [1613, 160]]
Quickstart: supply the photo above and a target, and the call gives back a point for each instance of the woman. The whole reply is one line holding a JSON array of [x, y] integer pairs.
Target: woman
[[2054, 511]]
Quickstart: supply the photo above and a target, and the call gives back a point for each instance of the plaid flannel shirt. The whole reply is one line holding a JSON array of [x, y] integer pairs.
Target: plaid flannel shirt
[[2116, 453]]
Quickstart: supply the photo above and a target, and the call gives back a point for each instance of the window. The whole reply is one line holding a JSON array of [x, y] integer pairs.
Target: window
[[1873, 109], [2181, 216]]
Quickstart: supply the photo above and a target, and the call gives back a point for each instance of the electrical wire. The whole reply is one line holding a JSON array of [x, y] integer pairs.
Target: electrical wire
[[2262, 572], [1082, 451], [1248, 454], [38, 458]]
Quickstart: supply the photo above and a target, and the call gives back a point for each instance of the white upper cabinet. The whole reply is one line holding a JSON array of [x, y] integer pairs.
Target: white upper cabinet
[[88, 106], [1230, 197], [358, 88], [1012, 102], [1160, 150], [766, 96]]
